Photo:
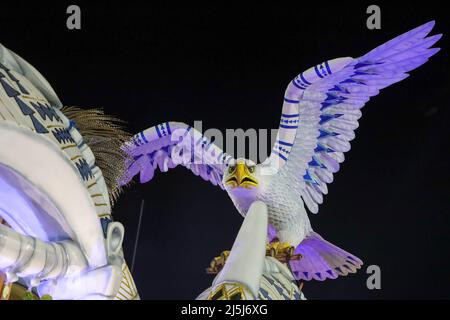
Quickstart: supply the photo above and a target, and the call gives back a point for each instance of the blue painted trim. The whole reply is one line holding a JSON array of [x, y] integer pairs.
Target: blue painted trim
[[143, 137], [285, 143], [328, 67], [304, 80], [289, 115], [318, 72], [288, 127], [299, 87], [291, 101], [280, 155]]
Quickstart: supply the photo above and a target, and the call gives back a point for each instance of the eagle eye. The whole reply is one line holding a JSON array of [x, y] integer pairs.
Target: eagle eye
[[231, 169]]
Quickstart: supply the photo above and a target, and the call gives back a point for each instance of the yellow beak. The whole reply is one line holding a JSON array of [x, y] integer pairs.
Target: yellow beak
[[241, 177]]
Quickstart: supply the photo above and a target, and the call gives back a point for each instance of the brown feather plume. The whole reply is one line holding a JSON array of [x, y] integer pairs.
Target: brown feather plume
[[104, 134]]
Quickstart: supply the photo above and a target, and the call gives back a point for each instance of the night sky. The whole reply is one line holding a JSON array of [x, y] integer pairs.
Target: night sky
[[228, 65]]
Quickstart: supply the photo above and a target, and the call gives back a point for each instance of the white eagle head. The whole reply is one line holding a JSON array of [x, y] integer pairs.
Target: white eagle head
[[244, 183]]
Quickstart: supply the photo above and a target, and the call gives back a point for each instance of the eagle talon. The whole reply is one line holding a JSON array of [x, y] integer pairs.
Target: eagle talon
[[217, 263], [282, 251]]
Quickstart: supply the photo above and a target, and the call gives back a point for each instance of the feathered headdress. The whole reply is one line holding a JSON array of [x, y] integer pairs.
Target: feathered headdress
[[104, 134]]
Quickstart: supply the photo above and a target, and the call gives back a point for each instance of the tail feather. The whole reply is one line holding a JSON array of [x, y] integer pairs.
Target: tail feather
[[322, 260]]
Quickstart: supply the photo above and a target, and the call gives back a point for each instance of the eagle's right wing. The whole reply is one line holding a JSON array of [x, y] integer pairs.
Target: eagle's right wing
[[169, 144]]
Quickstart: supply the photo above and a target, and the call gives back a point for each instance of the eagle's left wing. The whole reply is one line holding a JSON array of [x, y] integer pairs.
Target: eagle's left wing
[[169, 144], [322, 107]]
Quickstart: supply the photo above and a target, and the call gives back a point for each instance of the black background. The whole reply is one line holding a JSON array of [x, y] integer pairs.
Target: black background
[[228, 65]]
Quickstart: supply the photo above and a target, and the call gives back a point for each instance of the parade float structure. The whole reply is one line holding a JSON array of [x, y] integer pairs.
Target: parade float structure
[[61, 168]]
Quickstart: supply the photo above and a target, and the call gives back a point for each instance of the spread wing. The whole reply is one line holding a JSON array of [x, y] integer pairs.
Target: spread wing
[[170, 144], [322, 107]]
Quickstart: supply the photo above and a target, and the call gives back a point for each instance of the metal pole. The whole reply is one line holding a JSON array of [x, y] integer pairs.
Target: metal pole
[[137, 236]]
